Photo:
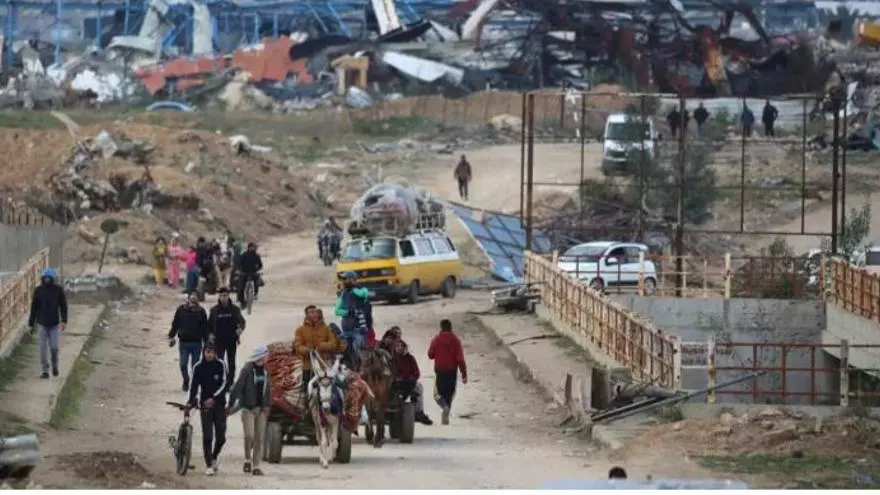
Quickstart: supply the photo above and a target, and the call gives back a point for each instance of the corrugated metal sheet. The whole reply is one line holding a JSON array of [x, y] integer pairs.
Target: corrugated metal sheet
[[502, 238]]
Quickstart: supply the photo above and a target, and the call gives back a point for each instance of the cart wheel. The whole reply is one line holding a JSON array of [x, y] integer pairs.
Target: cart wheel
[[274, 439], [406, 419], [343, 449]]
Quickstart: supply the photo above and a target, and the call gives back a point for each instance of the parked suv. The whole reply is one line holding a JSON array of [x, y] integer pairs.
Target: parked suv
[[607, 263]]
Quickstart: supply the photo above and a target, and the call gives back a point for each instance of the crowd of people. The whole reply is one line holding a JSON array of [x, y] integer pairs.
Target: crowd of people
[[208, 344], [678, 121]]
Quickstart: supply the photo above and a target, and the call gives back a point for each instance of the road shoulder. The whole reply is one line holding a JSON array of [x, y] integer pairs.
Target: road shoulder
[[34, 399]]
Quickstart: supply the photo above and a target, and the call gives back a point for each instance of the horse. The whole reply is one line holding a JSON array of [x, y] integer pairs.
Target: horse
[[326, 406], [376, 371]]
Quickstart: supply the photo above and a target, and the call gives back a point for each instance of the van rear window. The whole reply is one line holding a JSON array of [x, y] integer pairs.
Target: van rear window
[[369, 249]]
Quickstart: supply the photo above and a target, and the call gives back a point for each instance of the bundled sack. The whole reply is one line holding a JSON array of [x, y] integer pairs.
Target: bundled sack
[[285, 369], [384, 201]]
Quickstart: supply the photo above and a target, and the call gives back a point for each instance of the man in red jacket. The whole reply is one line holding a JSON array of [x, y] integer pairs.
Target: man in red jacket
[[406, 378], [448, 356]]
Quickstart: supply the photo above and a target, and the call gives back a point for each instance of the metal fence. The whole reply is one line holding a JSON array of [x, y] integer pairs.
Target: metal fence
[[634, 343], [726, 276], [24, 231], [15, 295], [793, 372]]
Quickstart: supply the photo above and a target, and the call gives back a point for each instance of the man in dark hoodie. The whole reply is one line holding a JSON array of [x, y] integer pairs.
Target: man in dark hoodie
[[225, 323], [48, 317], [190, 327], [448, 356], [251, 394], [208, 394]]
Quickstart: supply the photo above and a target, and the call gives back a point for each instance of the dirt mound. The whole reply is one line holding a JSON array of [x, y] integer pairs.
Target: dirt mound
[[775, 444], [108, 469], [156, 180]]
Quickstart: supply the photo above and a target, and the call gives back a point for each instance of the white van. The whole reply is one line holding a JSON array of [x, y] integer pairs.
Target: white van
[[624, 138]]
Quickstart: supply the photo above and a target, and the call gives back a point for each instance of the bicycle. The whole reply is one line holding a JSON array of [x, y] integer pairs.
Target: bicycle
[[250, 293], [181, 445]]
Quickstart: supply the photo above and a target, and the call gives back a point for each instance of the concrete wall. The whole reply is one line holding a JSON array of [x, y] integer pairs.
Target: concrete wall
[[844, 325], [746, 320], [19, 243]]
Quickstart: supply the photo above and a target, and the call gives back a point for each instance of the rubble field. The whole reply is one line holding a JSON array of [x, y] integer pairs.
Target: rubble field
[[776, 448]]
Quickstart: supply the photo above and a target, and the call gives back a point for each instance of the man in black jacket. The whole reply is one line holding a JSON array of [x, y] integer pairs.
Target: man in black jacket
[[208, 393], [226, 323], [190, 327], [48, 317], [249, 265]]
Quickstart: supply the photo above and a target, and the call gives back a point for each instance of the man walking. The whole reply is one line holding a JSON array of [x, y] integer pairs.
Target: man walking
[[673, 118], [768, 117], [190, 327], [748, 121], [225, 323], [701, 115], [463, 176], [448, 356], [208, 394], [251, 394], [48, 317]]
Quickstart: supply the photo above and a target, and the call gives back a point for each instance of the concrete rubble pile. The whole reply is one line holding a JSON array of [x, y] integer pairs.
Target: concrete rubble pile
[[691, 47], [72, 194]]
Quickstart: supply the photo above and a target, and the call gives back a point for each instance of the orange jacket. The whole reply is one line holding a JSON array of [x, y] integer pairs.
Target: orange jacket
[[314, 336]]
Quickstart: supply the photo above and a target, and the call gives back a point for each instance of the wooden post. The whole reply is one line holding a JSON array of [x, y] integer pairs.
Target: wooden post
[[844, 373], [600, 391], [641, 273], [728, 275], [712, 370]]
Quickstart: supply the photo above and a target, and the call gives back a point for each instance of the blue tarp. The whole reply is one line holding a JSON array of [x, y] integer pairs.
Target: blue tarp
[[502, 238]]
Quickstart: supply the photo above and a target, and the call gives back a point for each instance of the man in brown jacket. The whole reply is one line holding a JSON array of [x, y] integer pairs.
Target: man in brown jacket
[[313, 334], [463, 176]]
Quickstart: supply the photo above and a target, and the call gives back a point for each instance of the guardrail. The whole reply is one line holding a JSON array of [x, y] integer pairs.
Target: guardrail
[[796, 372], [855, 289], [649, 353], [15, 295]]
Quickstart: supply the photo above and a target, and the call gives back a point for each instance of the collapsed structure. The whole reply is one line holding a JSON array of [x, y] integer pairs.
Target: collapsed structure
[[693, 47]]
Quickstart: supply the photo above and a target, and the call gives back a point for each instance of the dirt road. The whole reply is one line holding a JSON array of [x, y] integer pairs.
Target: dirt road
[[509, 439]]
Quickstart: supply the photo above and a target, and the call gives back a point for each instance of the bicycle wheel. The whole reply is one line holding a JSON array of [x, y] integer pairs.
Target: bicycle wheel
[[249, 296], [184, 448]]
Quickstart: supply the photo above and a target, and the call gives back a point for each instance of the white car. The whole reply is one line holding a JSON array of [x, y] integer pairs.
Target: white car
[[606, 263]]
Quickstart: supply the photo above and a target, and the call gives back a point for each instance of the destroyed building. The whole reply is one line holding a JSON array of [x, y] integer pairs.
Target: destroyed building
[[318, 50]]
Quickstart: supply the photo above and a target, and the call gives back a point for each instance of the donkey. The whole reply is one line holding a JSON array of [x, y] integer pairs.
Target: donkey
[[376, 372], [326, 406]]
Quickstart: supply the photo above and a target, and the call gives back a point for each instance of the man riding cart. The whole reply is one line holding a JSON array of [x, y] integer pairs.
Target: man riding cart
[[289, 416], [356, 313]]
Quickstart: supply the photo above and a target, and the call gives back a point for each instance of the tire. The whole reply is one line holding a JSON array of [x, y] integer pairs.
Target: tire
[[274, 442], [343, 449], [598, 285], [407, 420], [394, 427], [412, 295], [184, 449], [448, 290], [249, 296], [650, 286], [393, 300]]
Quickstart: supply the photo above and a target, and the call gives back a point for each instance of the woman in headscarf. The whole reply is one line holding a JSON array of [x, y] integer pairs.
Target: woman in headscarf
[[192, 270], [176, 254], [160, 252]]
